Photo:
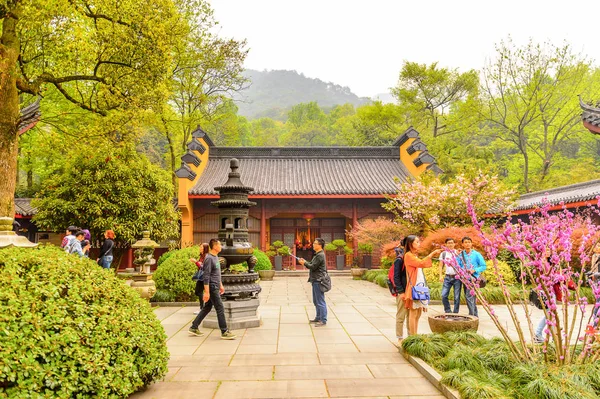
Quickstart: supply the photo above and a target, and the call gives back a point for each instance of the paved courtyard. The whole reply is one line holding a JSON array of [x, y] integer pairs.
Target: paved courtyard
[[353, 356]]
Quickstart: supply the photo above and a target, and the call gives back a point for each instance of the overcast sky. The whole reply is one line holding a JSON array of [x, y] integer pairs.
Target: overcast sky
[[362, 44]]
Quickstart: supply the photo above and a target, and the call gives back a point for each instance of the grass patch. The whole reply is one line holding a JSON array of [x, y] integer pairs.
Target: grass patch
[[482, 368]]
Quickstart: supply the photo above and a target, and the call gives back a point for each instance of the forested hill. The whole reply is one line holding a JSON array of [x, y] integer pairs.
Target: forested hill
[[273, 93]]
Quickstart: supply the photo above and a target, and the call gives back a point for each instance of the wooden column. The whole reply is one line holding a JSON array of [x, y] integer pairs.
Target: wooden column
[[263, 226], [354, 223]]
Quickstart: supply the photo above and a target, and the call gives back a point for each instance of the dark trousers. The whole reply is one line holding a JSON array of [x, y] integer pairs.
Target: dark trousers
[[199, 291], [454, 283], [215, 300], [319, 301]]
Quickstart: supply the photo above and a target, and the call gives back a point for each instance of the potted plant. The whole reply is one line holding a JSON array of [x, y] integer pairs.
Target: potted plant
[[277, 258], [367, 251], [263, 265], [357, 271], [283, 251], [342, 250]]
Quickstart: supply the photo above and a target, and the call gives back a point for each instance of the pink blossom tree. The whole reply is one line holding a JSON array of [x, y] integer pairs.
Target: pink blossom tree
[[428, 204], [544, 247]]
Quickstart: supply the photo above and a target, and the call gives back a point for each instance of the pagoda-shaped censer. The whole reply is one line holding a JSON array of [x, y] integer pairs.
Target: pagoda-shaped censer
[[241, 290]]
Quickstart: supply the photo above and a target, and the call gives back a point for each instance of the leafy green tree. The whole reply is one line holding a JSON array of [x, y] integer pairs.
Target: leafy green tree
[[108, 186], [529, 99], [99, 56], [430, 94]]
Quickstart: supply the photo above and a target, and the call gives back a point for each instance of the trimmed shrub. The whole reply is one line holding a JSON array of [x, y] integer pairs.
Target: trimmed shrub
[[71, 329], [175, 274], [264, 263]]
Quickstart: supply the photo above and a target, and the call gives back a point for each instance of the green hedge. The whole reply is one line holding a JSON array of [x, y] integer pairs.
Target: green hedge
[[71, 329], [174, 275], [484, 368]]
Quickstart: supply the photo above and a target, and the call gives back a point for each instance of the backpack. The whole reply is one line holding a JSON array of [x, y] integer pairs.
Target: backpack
[[390, 280]]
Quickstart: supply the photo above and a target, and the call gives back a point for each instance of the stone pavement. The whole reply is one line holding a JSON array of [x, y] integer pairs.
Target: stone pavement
[[353, 356]]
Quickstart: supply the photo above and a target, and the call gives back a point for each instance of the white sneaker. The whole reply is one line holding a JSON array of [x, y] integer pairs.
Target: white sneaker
[[196, 312]]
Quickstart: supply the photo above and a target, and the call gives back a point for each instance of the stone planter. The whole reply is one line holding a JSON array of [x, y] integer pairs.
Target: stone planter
[[453, 322], [278, 260], [357, 272], [266, 275], [340, 261], [367, 261]]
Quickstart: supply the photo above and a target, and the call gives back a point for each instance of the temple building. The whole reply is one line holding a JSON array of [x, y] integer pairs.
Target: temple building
[[301, 192]]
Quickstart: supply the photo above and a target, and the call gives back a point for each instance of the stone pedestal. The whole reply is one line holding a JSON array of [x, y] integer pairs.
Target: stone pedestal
[[10, 238], [238, 314]]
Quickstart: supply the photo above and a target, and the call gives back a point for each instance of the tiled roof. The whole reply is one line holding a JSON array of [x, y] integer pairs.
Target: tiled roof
[[306, 171], [29, 116], [23, 207], [590, 113], [568, 194]]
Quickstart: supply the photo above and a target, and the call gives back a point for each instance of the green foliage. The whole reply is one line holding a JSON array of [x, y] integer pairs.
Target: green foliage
[[163, 296], [277, 244], [283, 251], [482, 368], [70, 329], [263, 261], [330, 247], [386, 262], [175, 274], [109, 187], [339, 243], [365, 248]]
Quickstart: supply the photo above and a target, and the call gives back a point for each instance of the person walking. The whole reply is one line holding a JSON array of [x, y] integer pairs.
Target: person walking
[[199, 290], [473, 262], [86, 244], [448, 277], [213, 288], [415, 276], [318, 269], [400, 285], [105, 257]]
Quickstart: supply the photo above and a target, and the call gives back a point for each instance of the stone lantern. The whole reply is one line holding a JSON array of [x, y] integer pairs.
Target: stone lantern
[[9, 238], [142, 279]]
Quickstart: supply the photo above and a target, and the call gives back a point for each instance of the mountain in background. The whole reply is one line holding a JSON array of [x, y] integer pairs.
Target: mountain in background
[[273, 93]]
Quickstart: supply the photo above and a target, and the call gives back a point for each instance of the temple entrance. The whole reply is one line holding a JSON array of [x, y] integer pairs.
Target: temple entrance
[[299, 234]]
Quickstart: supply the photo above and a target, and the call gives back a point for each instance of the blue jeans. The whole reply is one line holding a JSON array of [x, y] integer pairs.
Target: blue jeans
[[319, 301], [450, 282], [106, 261], [539, 331], [471, 302]]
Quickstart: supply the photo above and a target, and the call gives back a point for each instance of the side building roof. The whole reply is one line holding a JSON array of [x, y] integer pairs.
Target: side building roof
[[571, 194], [23, 207]]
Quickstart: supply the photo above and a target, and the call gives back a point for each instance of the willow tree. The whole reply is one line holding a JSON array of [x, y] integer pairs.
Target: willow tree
[[100, 55]]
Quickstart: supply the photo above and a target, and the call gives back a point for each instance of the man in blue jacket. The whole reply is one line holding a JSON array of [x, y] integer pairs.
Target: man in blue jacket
[[472, 261]]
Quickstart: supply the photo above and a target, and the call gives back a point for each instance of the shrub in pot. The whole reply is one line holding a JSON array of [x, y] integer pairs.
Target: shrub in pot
[[70, 329], [263, 265], [277, 258], [366, 250], [342, 250]]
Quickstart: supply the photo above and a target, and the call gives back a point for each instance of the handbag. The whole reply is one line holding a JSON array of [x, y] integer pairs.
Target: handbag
[[325, 283], [420, 292], [199, 275]]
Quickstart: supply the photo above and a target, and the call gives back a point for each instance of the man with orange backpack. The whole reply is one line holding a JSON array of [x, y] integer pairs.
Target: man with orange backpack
[[397, 282]]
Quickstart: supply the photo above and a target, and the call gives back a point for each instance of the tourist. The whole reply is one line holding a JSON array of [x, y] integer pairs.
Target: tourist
[[199, 291], [400, 285], [69, 237], [318, 269], [75, 246], [213, 289], [415, 276], [473, 262], [105, 257], [448, 277], [85, 244]]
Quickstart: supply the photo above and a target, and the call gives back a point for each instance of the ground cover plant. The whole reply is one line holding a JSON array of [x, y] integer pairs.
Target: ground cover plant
[[71, 329], [482, 368]]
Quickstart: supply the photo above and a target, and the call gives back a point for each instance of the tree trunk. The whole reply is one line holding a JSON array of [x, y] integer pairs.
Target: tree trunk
[[526, 171], [9, 115]]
